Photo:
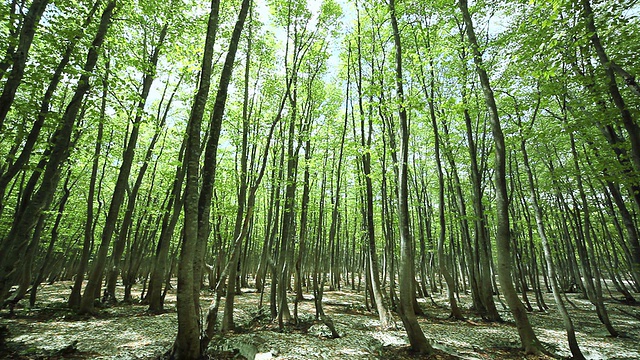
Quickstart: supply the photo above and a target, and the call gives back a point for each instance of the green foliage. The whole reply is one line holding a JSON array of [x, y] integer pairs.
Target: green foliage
[[546, 76]]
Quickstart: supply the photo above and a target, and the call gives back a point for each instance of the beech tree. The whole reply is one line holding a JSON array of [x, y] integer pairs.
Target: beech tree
[[418, 341], [527, 336]]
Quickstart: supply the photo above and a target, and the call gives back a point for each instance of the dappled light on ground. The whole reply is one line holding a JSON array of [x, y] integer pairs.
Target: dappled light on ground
[[129, 332]]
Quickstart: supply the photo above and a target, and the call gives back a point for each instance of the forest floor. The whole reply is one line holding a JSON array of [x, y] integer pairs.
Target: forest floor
[[51, 331]]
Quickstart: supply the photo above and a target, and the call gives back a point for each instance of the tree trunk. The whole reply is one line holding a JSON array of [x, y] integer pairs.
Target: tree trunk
[[94, 279], [584, 244], [20, 56], [527, 336], [227, 318], [442, 265], [366, 136], [52, 242], [418, 341], [211, 150], [187, 344], [154, 296], [75, 296], [25, 154], [628, 120], [127, 220], [557, 295], [471, 267]]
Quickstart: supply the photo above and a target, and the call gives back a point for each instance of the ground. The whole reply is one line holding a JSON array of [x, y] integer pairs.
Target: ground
[[50, 331]]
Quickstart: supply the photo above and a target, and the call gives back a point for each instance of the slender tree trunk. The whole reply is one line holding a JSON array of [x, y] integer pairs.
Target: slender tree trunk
[[418, 341], [52, 242], [455, 310], [320, 264], [25, 154], [210, 155], [630, 125], [551, 270], [481, 250], [584, 244], [187, 344], [75, 296], [287, 226], [20, 57], [154, 296], [304, 222], [464, 226], [632, 231], [122, 183], [227, 319], [527, 336], [127, 220], [366, 135], [12, 38]]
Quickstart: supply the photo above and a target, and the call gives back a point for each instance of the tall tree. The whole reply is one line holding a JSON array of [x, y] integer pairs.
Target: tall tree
[[528, 338], [442, 261], [419, 342], [366, 136], [88, 238], [187, 344], [551, 268], [121, 240], [34, 133], [198, 203], [122, 183]]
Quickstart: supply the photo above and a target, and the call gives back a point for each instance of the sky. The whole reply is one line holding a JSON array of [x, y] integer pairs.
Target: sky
[[348, 17]]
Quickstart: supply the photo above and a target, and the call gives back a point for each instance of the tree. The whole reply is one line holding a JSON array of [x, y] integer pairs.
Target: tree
[[455, 310], [75, 296], [197, 203], [187, 345], [419, 342], [551, 268], [366, 135], [19, 57], [95, 276], [503, 238]]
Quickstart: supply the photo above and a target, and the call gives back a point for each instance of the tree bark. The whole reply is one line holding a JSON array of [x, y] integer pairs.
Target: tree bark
[[366, 135], [122, 183], [127, 220], [418, 341], [227, 318], [20, 56], [187, 344], [528, 338], [551, 268], [584, 244], [76, 295], [442, 265], [155, 297], [26, 152], [630, 125]]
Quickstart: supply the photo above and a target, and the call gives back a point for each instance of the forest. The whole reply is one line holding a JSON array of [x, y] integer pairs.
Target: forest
[[194, 179]]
